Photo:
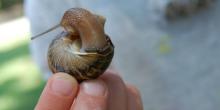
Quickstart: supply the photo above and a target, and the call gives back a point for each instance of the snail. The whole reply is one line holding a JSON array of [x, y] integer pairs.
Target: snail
[[82, 50], [183, 8]]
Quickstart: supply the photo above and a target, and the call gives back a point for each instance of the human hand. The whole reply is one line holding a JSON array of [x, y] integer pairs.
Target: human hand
[[109, 92]]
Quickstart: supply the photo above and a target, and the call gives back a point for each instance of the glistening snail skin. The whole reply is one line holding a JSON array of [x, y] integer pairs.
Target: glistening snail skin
[[83, 50]]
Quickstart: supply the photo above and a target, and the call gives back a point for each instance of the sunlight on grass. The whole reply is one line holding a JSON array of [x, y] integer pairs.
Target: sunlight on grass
[[23, 69], [14, 32], [21, 83], [5, 102], [6, 45]]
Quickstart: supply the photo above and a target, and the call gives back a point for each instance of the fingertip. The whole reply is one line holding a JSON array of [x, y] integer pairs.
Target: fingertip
[[133, 89], [93, 95], [111, 75], [94, 87], [117, 90], [59, 93], [63, 84], [134, 98], [66, 76]]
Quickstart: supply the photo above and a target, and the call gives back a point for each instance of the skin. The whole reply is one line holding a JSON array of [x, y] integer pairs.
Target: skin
[[109, 92]]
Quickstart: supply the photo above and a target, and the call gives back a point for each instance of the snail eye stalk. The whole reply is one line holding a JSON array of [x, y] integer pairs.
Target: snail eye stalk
[[49, 30]]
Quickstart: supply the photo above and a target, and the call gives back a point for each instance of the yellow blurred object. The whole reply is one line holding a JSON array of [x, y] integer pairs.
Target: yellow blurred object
[[164, 45]]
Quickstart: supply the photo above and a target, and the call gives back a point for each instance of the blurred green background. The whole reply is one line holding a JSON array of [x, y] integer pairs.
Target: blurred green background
[[4, 4], [21, 82]]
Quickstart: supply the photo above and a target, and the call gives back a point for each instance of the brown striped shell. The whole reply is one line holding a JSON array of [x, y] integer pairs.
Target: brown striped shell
[[83, 50]]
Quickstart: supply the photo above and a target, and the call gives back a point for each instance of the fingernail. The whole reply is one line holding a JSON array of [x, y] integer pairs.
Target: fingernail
[[94, 88], [63, 85]]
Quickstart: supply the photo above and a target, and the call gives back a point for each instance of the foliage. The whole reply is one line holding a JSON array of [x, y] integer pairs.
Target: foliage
[[21, 83], [4, 4]]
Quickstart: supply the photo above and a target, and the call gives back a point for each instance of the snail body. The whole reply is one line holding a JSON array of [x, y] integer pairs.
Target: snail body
[[82, 50]]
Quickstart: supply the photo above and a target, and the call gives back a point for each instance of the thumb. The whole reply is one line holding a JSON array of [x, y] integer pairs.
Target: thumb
[[59, 93]]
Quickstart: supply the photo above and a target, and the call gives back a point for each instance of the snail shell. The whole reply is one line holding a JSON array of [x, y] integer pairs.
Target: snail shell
[[83, 50]]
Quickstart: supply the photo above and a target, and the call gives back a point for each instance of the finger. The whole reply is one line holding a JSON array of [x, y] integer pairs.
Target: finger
[[134, 98], [117, 91], [59, 93], [92, 96]]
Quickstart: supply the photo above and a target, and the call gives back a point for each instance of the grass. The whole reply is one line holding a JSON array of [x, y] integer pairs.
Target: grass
[[8, 3], [21, 82]]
